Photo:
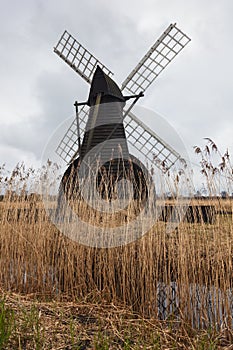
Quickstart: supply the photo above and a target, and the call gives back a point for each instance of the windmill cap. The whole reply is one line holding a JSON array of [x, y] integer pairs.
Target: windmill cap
[[102, 83]]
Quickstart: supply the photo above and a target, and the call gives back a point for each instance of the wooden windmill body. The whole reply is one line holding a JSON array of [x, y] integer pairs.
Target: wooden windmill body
[[106, 124]]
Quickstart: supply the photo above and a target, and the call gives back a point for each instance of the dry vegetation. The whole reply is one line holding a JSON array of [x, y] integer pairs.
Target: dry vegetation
[[152, 293], [29, 323]]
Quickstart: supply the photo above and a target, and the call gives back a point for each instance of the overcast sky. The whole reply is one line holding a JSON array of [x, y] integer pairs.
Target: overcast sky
[[194, 93]]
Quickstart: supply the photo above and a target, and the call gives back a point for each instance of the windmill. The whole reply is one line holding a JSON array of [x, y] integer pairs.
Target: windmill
[[90, 129]]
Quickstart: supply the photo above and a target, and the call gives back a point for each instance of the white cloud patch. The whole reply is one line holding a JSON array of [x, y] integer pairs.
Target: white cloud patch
[[38, 89]]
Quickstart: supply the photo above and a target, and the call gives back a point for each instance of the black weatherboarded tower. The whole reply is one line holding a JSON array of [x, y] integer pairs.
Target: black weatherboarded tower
[[105, 121], [104, 143]]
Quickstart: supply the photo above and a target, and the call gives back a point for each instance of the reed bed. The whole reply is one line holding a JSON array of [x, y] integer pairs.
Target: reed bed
[[183, 275]]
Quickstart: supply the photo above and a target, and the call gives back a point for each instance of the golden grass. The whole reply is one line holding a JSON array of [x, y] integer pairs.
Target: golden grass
[[184, 274], [36, 258]]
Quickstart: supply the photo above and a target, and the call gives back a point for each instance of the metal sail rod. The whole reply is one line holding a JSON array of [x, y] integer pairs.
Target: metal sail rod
[[78, 126], [133, 103], [94, 117]]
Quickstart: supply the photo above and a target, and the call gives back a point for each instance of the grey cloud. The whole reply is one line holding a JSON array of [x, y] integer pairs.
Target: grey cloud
[[38, 89]]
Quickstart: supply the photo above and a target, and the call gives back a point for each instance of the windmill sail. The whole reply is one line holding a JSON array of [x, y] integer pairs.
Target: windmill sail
[[78, 58], [67, 147], [152, 147], [165, 49]]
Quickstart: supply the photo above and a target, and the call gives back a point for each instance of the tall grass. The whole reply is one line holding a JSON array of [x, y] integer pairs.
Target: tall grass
[[185, 274]]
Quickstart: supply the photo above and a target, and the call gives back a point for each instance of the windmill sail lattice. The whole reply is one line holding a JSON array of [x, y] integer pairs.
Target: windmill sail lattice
[[165, 49], [67, 147], [150, 145], [78, 58]]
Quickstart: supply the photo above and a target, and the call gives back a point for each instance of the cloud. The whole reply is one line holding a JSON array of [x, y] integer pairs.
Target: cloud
[[38, 89]]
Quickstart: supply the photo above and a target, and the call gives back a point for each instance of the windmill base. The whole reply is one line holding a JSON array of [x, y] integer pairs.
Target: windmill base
[[125, 182]]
